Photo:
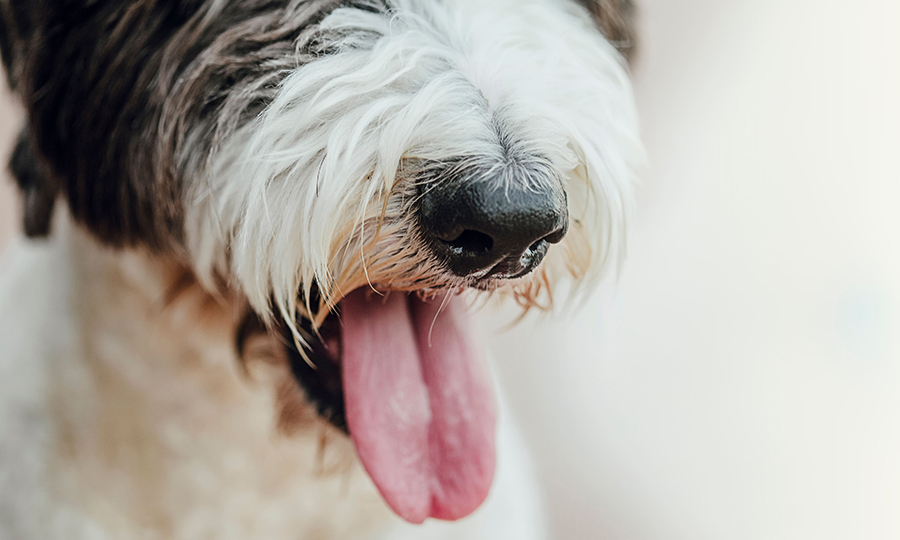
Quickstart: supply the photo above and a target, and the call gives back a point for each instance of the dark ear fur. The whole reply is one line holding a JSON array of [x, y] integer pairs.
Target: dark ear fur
[[38, 192], [38, 196], [126, 99], [618, 21]]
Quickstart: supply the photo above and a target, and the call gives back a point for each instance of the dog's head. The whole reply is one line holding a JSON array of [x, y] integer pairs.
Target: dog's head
[[348, 168]]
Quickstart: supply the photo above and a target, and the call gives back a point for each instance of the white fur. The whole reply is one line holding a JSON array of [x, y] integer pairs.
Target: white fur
[[294, 199]]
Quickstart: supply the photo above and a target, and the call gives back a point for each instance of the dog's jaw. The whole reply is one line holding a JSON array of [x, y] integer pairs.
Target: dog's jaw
[[403, 375]]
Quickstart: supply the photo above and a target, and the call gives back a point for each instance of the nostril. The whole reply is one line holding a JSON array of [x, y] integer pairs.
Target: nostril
[[471, 242], [535, 246], [532, 256]]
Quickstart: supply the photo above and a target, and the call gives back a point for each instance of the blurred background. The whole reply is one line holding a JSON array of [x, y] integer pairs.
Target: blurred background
[[741, 378]]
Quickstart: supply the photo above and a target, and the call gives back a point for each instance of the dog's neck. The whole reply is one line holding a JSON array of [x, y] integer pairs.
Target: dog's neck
[[158, 424]]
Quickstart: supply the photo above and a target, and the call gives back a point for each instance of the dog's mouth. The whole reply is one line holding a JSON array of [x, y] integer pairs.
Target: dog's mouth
[[402, 375]]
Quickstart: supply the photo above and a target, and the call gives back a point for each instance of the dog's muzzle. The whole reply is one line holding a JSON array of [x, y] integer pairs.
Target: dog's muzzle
[[486, 230], [400, 371]]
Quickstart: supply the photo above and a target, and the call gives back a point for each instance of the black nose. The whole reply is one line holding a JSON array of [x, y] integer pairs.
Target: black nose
[[481, 228]]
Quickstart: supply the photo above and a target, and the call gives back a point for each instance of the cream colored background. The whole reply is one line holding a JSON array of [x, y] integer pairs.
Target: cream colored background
[[741, 380]]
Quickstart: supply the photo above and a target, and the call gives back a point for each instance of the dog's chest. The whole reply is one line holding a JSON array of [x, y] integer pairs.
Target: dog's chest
[[150, 429]]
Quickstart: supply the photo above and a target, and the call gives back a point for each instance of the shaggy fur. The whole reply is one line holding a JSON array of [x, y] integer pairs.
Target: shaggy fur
[[230, 170]]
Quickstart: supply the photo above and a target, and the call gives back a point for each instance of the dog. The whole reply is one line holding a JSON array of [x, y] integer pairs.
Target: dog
[[256, 228]]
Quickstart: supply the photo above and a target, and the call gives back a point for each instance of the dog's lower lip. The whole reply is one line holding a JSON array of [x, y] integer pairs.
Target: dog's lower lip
[[319, 373]]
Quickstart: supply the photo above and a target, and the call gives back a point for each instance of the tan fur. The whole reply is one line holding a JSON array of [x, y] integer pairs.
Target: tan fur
[[156, 394]]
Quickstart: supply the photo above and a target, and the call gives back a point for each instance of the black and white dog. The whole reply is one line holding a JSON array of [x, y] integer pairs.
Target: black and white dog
[[269, 217]]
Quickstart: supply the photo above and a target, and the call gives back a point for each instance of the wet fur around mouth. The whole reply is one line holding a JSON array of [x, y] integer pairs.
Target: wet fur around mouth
[[318, 369], [315, 362]]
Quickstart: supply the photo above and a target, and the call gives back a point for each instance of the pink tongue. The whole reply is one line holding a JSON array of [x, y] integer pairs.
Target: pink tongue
[[421, 411]]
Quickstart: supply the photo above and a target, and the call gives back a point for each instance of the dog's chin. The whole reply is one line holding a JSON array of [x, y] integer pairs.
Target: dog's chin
[[401, 373]]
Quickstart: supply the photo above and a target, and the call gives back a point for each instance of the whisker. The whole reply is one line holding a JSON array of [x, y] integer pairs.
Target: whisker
[[437, 314]]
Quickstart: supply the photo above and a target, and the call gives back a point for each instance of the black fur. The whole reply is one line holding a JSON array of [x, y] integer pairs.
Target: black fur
[[39, 192], [617, 20], [126, 100], [321, 385]]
